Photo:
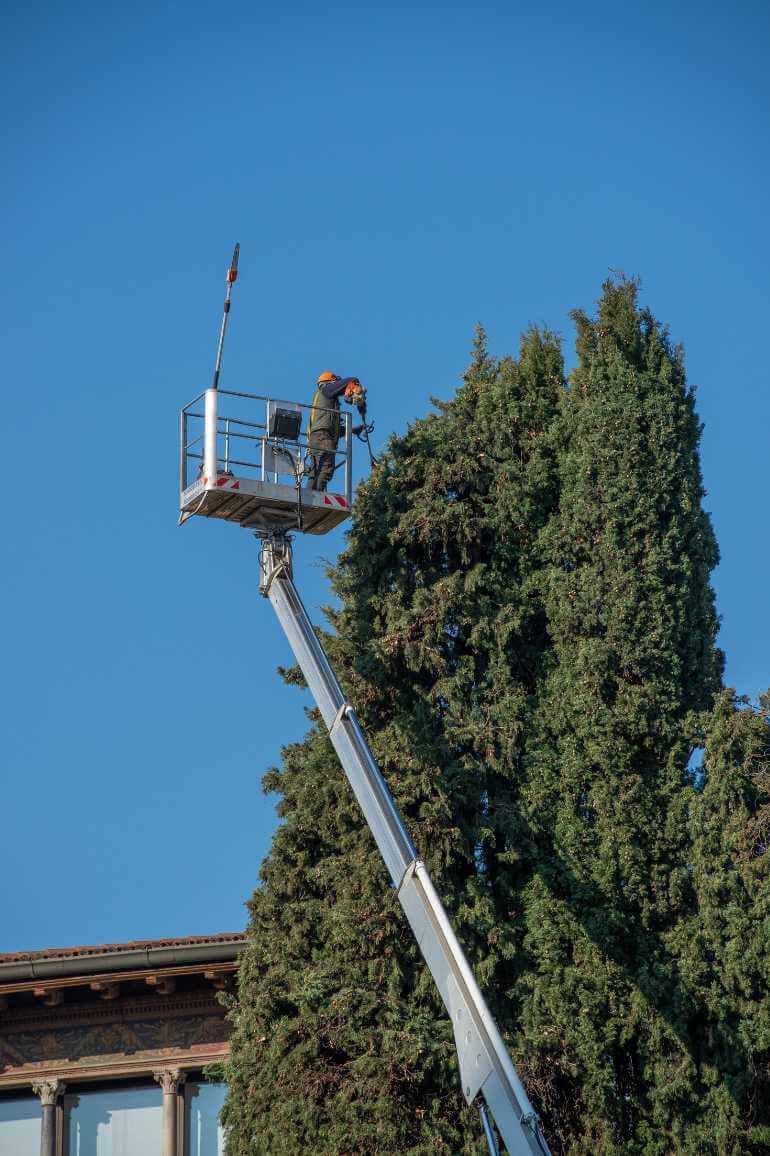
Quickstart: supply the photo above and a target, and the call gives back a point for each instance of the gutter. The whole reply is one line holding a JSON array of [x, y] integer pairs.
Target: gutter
[[138, 957]]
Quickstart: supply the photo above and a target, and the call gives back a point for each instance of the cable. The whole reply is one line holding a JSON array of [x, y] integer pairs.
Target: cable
[[184, 515], [298, 471]]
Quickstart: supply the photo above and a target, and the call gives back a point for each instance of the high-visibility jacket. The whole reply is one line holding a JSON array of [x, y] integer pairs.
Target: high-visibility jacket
[[325, 407]]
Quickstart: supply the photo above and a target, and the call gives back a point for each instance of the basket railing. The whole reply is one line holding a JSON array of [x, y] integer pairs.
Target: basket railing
[[243, 445]]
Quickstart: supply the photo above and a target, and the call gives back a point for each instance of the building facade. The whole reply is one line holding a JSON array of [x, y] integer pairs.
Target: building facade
[[104, 1050]]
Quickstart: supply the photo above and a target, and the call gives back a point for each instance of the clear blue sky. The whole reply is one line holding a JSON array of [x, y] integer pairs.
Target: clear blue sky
[[394, 173]]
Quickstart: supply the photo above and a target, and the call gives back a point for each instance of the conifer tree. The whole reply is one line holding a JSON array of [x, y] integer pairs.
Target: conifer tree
[[340, 1042], [631, 615], [527, 630]]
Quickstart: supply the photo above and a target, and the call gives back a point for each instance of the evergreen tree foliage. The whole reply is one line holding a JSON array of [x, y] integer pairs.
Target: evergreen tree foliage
[[527, 630], [631, 615], [723, 947], [341, 1044]]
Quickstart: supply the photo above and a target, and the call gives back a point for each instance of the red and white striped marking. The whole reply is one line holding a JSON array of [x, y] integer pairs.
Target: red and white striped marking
[[225, 483]]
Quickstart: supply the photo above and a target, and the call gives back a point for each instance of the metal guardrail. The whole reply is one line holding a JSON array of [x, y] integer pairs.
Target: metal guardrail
[[275, 458]]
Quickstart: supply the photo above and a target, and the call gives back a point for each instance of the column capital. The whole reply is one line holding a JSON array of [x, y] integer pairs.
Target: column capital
[[48, 1091], [170, 1079]]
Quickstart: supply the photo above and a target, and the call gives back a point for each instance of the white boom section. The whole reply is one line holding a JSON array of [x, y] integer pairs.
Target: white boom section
[[485, 1065]]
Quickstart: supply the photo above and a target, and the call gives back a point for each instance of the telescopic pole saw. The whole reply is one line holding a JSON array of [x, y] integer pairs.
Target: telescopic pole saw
[[232, 274]]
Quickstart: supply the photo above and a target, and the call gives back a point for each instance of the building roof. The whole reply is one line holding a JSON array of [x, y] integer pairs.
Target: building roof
[[57, 962], [116, 948], [114, 1010]]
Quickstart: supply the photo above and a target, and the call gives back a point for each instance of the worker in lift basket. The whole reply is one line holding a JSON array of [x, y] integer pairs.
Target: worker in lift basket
[[324, 427]]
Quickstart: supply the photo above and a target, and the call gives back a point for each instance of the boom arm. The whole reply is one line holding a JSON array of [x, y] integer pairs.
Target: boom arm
[[485, 1065]]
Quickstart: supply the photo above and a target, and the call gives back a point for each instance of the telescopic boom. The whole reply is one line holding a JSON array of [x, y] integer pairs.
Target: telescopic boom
[[486, 1069]]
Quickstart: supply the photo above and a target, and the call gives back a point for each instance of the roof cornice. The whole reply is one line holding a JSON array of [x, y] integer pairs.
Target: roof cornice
[[90, 961]]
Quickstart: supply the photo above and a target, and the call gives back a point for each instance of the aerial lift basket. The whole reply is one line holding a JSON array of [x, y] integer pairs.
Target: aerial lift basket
[[245, 458]]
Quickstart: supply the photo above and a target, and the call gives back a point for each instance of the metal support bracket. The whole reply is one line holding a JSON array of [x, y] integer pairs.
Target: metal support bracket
[[275, 561], [340, 715]]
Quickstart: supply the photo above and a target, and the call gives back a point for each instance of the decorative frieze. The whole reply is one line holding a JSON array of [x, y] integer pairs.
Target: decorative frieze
[[86, 1043], [72, 1014]]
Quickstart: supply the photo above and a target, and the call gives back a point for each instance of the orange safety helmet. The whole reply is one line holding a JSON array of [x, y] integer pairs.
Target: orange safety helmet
[[322, 377]]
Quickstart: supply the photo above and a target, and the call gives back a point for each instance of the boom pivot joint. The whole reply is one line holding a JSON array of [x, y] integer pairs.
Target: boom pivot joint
[[275, 560]]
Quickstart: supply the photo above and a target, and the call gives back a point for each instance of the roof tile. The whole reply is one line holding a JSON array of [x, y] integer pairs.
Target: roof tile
[[103, 948]]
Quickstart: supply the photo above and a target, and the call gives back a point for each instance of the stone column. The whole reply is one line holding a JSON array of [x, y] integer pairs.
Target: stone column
[[170, 1080], [49, 1092]]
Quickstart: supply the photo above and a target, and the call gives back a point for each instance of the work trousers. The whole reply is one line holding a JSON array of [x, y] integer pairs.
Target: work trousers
[[322, 446]]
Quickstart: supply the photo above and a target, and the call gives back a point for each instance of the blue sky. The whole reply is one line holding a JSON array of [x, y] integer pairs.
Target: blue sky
[[394, 174]]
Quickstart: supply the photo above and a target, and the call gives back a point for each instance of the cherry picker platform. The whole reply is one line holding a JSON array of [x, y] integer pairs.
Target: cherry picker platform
[[244, 458], [259, 485]]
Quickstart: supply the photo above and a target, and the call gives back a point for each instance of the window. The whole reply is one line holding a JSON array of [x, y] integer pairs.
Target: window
[[20, 1127], [206, 1136], [115, 1123]]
